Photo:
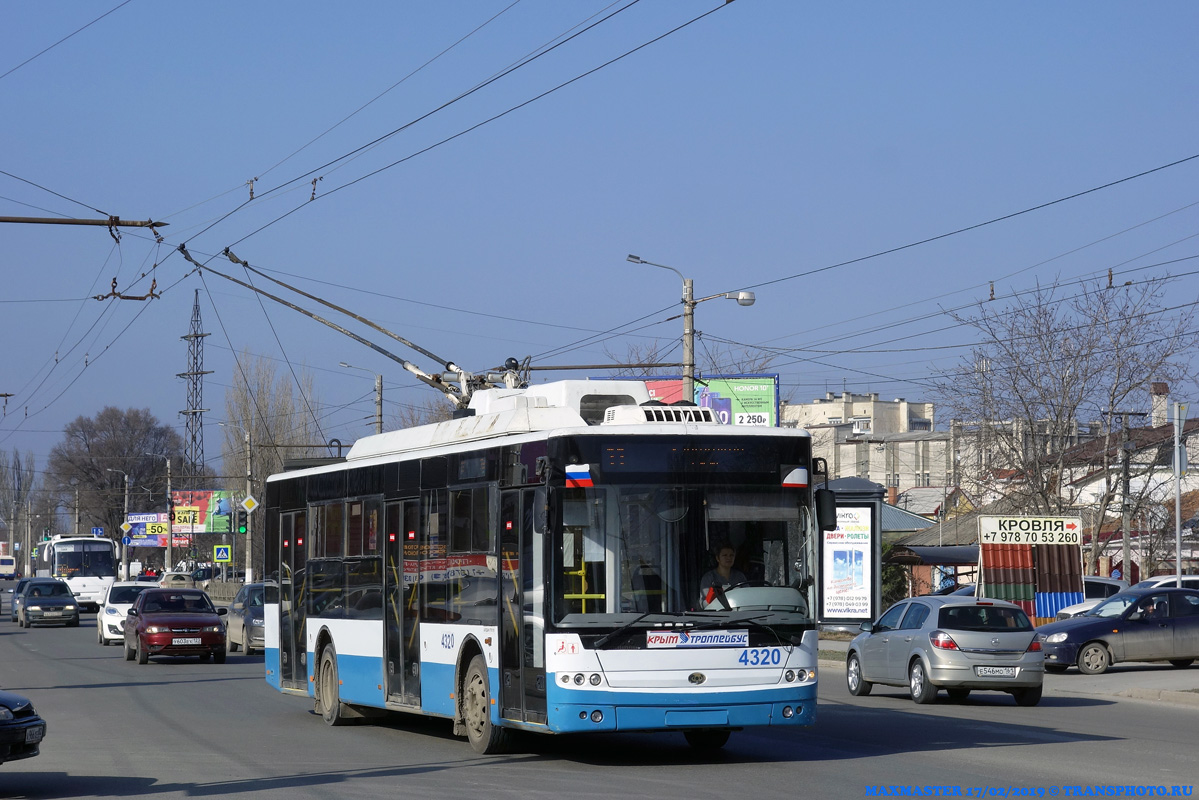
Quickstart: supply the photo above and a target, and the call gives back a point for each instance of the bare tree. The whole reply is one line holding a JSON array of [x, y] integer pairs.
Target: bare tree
[[17, 478], [278, 415], [1044, 364], [428, 410], [89, 466]]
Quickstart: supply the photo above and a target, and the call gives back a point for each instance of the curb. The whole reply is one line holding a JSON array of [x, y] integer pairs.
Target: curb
[[1162, 695]]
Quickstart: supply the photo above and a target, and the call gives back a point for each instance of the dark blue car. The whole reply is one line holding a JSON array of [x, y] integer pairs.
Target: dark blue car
[[21, 729], [1150, 624]]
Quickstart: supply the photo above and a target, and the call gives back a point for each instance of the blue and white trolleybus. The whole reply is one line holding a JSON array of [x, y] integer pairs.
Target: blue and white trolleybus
[[537, 564]]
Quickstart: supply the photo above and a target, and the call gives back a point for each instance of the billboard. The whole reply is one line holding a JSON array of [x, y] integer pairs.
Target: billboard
[[202, 512], [734, 399], [847, 569]]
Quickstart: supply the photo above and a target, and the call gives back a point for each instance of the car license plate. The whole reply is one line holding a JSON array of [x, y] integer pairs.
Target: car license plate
[[35, 734], [52, 614], [186, 640], [995, 672]]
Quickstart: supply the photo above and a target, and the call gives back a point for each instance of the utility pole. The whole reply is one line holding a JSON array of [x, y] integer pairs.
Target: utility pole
[[169, 565], [378, 408], [1180, 469], [1125, 508], [249, 515]]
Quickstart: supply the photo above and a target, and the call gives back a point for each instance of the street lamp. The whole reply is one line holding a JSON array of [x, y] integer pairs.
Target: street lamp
[[124, 552], [689, 304], [168, 563], [249, 493], [378, 394]]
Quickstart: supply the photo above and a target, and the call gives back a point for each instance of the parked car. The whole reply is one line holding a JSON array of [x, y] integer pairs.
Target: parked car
[[21, 729], [114, 607], [1095, 589], [1168, 581], [245, 622], [948, 642], [14, 602], [174, 622], [1149, 624], [48, 602], [176, 580]]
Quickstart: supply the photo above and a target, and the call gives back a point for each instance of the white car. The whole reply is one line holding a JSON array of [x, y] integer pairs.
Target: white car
[[1096, 589], [110, 621]]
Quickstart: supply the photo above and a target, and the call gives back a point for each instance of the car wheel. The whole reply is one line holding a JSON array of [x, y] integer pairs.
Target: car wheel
[[707, 739], [129, 651], [958, 695], [218, 656], [328, 698], [100, 640], [921, 690], [232, 645], [142, 656], [1093, 659], [1056, 669], [205, 657], [853, 677], [73, 623], [25, 623], [484, 737], [1029, 696]]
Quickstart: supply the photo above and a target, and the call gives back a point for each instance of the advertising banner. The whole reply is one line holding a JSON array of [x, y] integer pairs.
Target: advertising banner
[[734, 399], [847, 571], [202, 512]]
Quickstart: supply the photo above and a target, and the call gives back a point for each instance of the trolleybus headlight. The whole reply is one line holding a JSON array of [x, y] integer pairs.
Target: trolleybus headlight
[[595, 680], [788, 712], [597, 716], [811, 674], [579, 679], [789, 675]]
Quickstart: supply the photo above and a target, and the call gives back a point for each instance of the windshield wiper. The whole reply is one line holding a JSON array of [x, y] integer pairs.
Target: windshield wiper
[[607, 637]]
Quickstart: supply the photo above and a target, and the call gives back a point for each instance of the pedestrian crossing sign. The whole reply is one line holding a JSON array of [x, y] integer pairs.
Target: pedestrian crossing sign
[[221, 554]]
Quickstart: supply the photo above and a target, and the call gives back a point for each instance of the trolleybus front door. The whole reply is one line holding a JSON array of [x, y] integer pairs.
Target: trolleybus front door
[[293, 601], [522, 657], [402, 578]]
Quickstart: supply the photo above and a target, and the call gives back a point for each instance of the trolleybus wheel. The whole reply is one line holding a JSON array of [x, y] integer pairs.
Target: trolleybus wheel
[[707, 738], [484, 737], [328, 698]]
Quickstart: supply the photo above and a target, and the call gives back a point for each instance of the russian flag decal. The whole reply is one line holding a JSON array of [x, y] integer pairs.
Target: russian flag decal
[[578, 476], [796, 479]]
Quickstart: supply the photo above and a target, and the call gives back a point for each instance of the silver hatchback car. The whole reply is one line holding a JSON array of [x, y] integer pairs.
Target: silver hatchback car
[[959, 644]]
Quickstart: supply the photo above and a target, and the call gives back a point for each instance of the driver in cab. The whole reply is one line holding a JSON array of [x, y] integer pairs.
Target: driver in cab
[[717, 580]]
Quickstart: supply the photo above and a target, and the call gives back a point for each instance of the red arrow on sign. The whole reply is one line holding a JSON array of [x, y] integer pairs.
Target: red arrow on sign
[[1071, 526]]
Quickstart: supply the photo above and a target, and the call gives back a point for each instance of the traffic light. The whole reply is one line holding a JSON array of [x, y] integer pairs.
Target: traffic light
[[242, 522]]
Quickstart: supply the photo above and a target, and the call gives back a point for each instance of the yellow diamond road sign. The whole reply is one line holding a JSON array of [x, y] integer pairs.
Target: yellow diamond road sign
[[249, 504], [126, 527]]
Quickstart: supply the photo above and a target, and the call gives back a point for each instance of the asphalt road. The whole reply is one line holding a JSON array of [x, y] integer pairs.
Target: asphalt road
[[181, 729]]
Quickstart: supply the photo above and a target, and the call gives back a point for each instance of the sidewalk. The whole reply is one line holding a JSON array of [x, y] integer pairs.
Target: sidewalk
[[1137, 681]]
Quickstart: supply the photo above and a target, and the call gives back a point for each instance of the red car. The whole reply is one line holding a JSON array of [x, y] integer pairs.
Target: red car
[[174, 622]]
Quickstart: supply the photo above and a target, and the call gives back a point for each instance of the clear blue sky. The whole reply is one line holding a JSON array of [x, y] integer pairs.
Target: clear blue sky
[[769, 139]]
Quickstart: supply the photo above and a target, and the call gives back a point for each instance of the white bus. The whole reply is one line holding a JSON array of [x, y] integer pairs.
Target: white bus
[[88, 564], [8, 567], [537, 565]]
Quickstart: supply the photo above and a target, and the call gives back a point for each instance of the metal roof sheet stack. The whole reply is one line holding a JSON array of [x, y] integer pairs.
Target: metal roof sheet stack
[[1008, 574]]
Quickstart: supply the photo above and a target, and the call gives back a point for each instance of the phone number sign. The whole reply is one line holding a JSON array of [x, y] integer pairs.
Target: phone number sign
[[1030, 530]]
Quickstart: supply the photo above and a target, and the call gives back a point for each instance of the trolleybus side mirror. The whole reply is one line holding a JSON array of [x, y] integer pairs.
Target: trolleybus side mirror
[[826, 509]]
